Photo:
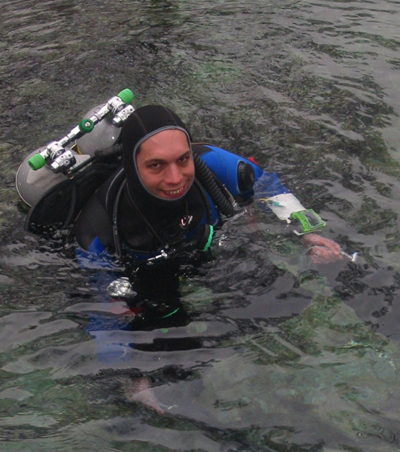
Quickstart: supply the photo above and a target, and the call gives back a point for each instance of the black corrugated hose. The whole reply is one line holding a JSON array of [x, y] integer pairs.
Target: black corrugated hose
[[219, 194]]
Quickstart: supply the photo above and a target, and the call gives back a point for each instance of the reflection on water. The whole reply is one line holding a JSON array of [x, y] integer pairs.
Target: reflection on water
[[266, 351]]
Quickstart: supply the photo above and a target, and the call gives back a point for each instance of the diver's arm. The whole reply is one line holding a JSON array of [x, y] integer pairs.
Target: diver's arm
[[288, 208], [269, 193], [322, 250], [244, 177]]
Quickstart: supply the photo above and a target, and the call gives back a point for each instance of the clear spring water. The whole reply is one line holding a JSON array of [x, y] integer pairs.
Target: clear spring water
[[275, 354]]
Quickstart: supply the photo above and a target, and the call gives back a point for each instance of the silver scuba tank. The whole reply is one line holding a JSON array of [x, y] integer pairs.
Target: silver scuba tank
[[57, 159], [103, 136], [32, 184]]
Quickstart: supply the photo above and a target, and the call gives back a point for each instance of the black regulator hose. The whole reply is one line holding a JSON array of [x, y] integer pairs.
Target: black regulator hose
[[208, 180]]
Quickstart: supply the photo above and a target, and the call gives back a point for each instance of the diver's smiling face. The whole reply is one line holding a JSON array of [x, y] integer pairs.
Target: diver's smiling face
[[165, 164]]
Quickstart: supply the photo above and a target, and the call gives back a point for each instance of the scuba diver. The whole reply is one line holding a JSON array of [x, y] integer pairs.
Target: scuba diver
[[166, 199], [161, 199], [170, 194], [155, 198]]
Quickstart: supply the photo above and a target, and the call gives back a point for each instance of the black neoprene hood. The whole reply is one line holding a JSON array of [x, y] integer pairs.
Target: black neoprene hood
[[142, 124]]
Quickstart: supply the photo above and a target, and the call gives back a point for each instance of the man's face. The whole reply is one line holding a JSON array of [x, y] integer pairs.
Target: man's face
[[165, 164]]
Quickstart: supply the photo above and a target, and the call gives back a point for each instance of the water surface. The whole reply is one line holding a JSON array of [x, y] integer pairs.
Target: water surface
[[272, 352]]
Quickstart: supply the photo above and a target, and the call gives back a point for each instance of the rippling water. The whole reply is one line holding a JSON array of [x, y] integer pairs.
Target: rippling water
[[272, 353]]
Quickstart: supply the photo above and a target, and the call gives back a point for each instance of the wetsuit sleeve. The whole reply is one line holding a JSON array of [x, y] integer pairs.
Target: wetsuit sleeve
[[266, 188]]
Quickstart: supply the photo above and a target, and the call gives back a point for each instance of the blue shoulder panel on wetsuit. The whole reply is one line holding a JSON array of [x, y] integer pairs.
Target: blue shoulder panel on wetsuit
[[224, 165]]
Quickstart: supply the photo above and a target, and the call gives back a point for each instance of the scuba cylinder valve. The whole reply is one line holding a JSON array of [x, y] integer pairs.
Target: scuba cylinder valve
[[62, 160]]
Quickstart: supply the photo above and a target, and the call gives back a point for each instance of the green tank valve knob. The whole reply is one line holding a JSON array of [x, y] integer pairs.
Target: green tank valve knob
[[86, 125], [126, 96], [36, 162]]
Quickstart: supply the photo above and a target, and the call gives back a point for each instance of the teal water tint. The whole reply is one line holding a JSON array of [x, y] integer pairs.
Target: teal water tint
[[276, 354]]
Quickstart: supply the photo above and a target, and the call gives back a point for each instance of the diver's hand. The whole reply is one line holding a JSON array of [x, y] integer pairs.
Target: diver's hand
[[321, 250]]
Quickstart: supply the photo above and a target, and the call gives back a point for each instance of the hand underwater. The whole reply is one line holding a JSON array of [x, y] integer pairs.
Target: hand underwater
[[322, 250]]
